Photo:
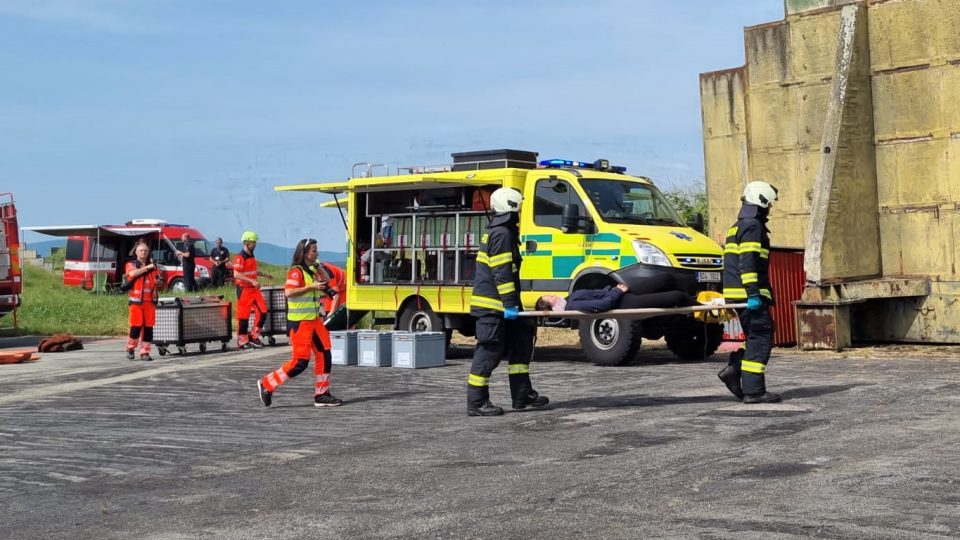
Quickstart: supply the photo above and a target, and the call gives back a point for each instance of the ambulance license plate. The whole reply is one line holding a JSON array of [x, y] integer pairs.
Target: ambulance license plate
[[708, 277]]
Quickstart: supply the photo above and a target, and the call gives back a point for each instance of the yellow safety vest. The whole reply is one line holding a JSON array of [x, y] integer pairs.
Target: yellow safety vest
[[306, 307]]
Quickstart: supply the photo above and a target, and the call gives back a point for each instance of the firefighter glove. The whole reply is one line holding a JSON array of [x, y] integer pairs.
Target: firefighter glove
[[754, 303], [510, 313]]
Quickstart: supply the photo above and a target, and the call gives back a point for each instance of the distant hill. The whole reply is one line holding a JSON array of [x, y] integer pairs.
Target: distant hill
[[280, 255], [266, 252], [43, 248]]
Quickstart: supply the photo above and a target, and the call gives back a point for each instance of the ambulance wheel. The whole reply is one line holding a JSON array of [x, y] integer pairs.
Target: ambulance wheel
[[177, 286], [271, 340], [610, 342], [694, 340], [419, 319], [203, 347]]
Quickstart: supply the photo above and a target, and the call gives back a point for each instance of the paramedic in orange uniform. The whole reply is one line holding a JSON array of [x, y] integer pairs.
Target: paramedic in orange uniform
[[249, 297], [142, 301], [306, 286], [338, 284]]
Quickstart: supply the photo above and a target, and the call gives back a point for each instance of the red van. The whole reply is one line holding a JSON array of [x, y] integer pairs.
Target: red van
[[97, 254]]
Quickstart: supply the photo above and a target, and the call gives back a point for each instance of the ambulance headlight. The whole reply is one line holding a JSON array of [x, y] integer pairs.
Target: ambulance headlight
[[650, 254], [203, 271]]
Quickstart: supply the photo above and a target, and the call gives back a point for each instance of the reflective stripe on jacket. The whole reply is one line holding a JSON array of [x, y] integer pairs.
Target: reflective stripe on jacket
[[497, 282], [746, 260], [306, 307], [245, 264], [144, 286]]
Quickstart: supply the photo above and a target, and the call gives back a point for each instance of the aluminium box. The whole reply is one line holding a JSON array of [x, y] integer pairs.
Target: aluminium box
[[374, 348], [416, 350], [343, 347]]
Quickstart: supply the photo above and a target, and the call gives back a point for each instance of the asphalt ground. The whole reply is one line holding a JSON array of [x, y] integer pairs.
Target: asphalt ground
[[96, 446]]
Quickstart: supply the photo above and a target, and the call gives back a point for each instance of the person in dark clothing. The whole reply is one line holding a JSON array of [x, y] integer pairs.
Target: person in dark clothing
[[188, 260], [495, 303], [658, 291], [746, 261], [219, 255]]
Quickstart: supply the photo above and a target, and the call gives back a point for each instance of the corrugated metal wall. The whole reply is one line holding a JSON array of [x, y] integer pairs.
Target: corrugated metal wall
[[787, 279]]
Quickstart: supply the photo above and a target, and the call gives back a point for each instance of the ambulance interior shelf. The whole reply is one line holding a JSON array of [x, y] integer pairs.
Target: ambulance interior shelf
[[421, 236], [434, 247]]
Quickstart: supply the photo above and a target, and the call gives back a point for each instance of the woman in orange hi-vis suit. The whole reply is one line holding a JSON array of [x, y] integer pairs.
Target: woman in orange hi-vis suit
[[249, 297], [307, 284], [142, 274]]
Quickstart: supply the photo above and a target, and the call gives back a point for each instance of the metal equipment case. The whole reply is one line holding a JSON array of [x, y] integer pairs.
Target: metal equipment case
[[275, 323], [181, 321]]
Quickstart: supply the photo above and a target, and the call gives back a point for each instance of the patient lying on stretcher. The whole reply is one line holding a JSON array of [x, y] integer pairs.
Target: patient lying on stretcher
[[659, 291]]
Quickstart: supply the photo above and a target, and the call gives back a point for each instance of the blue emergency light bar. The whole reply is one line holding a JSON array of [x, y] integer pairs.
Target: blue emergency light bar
[[600, 165]]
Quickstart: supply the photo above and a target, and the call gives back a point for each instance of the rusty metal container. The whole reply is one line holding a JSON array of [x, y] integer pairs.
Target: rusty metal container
[[787, 279]]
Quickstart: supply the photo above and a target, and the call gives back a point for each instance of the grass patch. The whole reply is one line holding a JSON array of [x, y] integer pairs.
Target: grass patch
[[49, 307]]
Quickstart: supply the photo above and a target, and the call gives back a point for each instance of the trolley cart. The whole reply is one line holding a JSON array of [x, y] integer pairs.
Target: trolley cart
[[195, 319], [276, 316]]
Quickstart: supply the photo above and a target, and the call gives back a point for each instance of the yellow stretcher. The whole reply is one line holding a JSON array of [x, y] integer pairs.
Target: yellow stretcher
[[639, 313]]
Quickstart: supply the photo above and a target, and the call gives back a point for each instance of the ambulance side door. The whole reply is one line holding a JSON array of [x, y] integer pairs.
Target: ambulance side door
[[550, 255]]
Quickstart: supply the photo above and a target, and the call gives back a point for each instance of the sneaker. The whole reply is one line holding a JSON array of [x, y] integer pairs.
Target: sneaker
[[246, 346], [765, 397], [326, 400], [130, 354], [265, 397], [731, 377], [146, 357], [533, 399], [485, 409], [256, 343]]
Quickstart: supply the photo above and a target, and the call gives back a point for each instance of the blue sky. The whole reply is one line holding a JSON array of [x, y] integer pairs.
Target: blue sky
[[192, 110]]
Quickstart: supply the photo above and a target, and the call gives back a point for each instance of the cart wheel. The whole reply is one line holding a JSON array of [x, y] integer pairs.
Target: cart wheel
[[203, 347], [224, 347], [162, 351], [272, 340], [182, 350]]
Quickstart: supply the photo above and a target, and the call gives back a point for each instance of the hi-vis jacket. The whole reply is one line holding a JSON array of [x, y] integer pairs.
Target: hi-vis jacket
[[144, 290], [497, 282], [746, 258]]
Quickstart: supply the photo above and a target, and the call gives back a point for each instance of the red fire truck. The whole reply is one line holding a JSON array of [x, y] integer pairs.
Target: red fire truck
[[96, 254], [11, 284]]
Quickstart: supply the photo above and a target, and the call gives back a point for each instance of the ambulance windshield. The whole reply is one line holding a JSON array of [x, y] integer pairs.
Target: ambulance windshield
[[619, 201]]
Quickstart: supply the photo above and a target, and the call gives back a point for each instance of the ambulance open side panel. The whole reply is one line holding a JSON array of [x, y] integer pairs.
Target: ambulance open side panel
[[414, 240]]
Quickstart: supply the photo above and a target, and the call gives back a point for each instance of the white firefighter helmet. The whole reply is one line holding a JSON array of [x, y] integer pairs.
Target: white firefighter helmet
[[760, 193], [506, 200]]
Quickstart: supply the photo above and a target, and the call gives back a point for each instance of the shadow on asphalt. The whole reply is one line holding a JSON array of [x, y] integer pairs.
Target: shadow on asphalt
[[354, 401], [816, 391], [604, 402]]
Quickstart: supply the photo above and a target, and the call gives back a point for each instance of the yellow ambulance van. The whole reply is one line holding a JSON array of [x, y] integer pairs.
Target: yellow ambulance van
[[413, 237]]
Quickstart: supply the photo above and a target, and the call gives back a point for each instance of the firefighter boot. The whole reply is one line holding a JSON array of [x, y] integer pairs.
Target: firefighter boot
[[731, 377], [530, 399], [484, 409], [765, 397]]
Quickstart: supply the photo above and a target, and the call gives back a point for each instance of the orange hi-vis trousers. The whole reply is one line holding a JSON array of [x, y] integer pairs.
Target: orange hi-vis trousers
[[308, 339], [250, 299], [142, 319]]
